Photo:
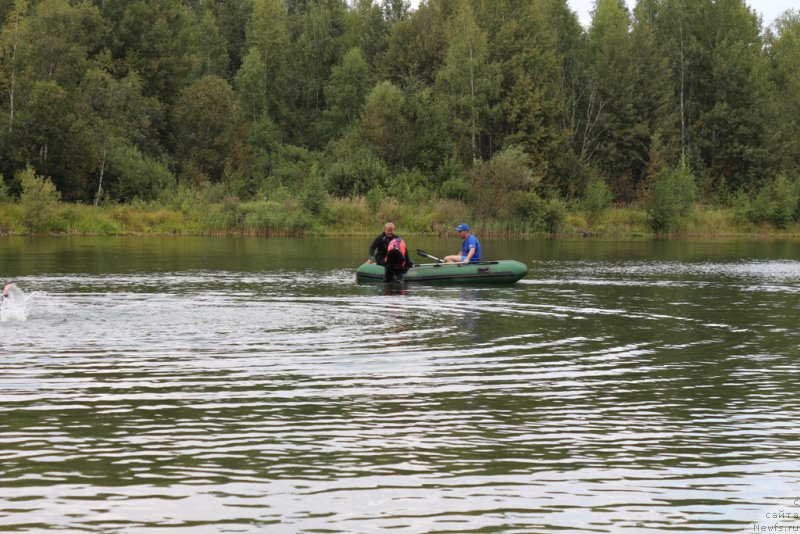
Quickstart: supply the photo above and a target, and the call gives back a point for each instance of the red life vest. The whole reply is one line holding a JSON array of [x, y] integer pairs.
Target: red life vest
[[399, 245]]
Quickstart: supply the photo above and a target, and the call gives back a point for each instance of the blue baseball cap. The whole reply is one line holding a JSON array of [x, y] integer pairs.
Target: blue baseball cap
[[462, 226]]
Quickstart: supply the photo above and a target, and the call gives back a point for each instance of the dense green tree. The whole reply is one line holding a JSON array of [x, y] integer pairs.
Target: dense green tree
[[212, 136], [266, 62], [383, 124], [366, 29], [351, 168], [628, 107], [417, 44], [51, 140], [428, 144], [155, 38], [611, 126], [671, 198], [671, 22], [732, 122], [784, 73], [232, 18], [250, 81], [109, 112], [134, 175], [596, 198], [719, 71], [532, 98], [212, 48], [379, 99], [317, 47], [12, 44], [468, 83], [346, 91], [63, 37], [502, 181], [655, 104], [61, 41], [565, 43], [38, 197], [395, 10]]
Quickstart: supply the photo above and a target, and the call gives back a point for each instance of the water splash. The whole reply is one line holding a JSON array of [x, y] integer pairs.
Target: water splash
[[15, 305]]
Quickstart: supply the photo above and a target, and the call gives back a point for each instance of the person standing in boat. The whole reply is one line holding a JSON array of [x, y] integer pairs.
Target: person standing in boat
[[380, 245], [395, 264], [470, 248]]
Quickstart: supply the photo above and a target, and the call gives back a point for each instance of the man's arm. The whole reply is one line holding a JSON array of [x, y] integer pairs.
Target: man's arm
[[469, 255], [376, 243]]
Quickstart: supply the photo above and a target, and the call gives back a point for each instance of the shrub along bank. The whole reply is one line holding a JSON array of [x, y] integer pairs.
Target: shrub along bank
[[668, 208], [354, 217]]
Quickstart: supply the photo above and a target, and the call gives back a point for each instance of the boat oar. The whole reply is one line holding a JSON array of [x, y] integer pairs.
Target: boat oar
[[426, 255]]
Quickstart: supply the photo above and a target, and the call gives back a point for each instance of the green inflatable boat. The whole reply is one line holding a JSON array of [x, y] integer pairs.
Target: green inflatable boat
[[486, 272]]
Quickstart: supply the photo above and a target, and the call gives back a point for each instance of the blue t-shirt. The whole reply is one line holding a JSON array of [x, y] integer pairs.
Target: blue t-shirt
[[471, 242]]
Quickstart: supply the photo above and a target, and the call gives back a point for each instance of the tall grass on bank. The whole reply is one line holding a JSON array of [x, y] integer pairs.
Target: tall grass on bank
[[287, 217]]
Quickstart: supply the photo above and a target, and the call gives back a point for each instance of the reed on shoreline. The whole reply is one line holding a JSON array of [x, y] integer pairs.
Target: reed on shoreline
[[355, 217]]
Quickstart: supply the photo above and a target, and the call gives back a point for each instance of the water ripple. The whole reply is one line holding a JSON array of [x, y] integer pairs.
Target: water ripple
[[592, 397]]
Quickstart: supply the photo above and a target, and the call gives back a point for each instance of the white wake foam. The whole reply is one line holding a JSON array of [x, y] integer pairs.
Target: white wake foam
[[15, 305]]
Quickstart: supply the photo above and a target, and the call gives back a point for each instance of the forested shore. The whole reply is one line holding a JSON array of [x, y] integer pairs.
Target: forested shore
[[296, 117]]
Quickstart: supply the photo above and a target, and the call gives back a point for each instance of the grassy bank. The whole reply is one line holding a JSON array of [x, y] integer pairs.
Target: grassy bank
[[358, 217]]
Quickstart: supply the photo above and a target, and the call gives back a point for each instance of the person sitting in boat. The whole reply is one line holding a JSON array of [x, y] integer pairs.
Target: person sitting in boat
[[397, 262], [470, 248], [380, 245]]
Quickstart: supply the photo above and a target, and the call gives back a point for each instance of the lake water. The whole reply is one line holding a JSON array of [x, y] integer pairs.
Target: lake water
[[250, 385]]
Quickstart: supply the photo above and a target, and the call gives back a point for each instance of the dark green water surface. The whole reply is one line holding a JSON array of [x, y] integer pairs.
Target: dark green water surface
[[250, 385]]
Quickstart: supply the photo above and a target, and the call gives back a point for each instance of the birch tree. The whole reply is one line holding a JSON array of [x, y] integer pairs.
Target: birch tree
[[468, 83], [11, 42]]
